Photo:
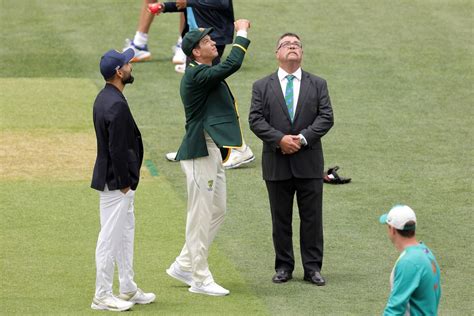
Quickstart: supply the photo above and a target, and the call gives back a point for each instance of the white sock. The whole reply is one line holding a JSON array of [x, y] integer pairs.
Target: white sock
[[140, 39]]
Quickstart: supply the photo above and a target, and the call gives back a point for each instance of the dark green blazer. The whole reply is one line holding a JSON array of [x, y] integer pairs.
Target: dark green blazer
[[209, 105]]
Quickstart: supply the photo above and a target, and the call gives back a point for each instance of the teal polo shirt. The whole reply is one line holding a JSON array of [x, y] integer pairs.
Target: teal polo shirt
[[415, 282]]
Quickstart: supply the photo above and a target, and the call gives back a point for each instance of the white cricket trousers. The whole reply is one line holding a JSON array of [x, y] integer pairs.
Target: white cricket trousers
[[115, 242], [206, 187]]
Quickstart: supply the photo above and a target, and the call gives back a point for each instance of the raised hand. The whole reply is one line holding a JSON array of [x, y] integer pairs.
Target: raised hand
[[242, 24]]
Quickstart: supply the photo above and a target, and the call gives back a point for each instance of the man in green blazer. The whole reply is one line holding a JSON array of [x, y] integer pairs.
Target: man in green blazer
[[212, 129]]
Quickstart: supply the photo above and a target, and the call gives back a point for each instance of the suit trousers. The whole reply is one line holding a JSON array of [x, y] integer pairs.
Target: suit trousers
[[205, 178], [115, 242], [309, 197]]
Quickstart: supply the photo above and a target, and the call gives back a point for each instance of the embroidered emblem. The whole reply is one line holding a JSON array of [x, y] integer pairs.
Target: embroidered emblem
[[210, 183]]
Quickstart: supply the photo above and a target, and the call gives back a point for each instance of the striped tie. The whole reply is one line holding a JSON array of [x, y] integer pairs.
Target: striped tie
[[289, 96]]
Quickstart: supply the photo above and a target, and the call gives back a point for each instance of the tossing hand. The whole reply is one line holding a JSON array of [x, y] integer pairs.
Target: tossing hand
[[242, 24]]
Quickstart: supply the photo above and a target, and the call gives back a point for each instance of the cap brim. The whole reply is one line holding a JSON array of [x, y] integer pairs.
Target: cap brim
[[383, 219], [129, 54], [205, 32]]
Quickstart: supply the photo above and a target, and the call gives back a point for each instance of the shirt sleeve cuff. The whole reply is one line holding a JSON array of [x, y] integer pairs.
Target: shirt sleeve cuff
[[242, 33]]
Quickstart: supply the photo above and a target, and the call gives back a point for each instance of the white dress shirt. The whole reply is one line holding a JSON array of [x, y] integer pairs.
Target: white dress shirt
[[296, 91]]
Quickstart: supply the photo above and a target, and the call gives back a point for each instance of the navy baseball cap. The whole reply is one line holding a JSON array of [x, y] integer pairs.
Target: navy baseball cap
[[113, 60], [192, 38]]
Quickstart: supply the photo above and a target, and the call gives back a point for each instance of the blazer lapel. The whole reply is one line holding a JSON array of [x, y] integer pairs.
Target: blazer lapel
[[304, 89], [276, 87]]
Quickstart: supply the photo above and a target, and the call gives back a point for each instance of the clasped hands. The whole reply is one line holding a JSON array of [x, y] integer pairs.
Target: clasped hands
[[290, 144]]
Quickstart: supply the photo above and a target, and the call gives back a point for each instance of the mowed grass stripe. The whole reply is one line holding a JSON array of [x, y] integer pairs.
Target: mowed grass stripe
[[46, 129], [34, 45], [46, 103], [59, 155]]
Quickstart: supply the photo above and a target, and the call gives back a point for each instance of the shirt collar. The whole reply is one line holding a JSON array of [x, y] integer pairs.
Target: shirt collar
[[282, 74]]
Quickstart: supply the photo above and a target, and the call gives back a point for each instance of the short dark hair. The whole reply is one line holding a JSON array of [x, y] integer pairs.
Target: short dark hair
[[287, 34], [408, 230]]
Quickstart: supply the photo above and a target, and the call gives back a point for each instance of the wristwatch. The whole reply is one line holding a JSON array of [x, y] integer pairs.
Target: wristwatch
[[303, 141]]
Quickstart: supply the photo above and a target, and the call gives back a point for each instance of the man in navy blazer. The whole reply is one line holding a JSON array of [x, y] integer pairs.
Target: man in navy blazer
[[116, 176], [119, 143], [290, 112]]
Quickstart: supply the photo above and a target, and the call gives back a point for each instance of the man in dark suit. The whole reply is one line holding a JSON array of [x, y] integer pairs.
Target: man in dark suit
[[212, 129], [290, 112], [116, 176]]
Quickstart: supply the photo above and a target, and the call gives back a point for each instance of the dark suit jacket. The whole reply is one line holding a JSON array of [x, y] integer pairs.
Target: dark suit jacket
[[119, 143], [270, 121], [209, 105]]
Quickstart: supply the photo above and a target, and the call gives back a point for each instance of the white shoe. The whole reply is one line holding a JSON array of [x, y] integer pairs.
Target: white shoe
[[141, 52], [138, 297], [171, 156], [239, 157], [179, 56], [180, 68], [110, 303], [212, 289], [175, 271]]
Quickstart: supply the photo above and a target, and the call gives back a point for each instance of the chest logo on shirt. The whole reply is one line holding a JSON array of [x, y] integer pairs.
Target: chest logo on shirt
[[210, 184]]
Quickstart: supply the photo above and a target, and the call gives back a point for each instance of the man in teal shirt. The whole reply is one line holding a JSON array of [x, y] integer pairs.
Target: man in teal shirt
[[415, 278]]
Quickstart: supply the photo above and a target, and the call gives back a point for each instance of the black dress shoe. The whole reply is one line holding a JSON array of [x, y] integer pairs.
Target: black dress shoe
[[315, 277], [281, 276]]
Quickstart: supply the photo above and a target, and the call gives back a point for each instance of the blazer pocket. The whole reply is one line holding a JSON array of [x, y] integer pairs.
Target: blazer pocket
[[228, 118]]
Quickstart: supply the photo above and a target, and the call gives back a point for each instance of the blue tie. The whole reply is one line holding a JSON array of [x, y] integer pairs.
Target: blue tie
[[289, 96]]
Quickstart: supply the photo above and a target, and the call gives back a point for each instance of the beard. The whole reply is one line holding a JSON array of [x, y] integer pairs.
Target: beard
[[128, 80]]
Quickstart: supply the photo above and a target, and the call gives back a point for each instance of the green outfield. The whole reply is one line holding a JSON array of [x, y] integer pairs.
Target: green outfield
[[400, 76]]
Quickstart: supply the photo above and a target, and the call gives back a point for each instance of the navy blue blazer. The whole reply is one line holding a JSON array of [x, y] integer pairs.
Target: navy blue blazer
[[119, 142]]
